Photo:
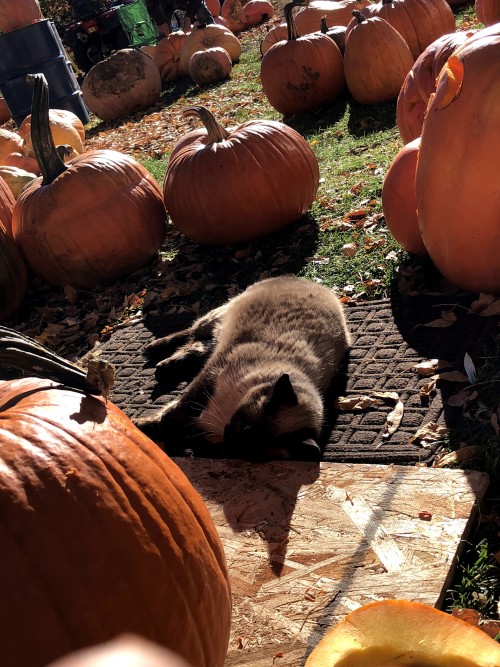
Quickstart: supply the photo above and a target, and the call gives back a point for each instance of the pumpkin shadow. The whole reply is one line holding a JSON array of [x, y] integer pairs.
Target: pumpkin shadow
[[91, 409], [312, 122], [364, 119]]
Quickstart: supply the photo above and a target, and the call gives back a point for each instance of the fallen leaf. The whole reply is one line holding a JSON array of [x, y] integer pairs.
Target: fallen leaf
[[101, 374], [440, 323], [453, 376], [424, 515], [470, 616], [428, 434], [491, 627], [430, 367], [484, 300], [462, 398], [361, 402], [393, 420], [458, 456], [470, 369], [492, 309], [428, 388], [349, 249], [388, 396]]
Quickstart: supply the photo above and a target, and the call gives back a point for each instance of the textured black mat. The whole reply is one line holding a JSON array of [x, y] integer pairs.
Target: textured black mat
[[388, 340]]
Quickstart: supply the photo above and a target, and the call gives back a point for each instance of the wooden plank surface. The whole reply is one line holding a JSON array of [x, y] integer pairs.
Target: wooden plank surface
[[306, 543]]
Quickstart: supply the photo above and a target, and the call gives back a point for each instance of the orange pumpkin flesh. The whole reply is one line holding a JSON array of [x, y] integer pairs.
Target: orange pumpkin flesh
[[208, 169], [403, 633], [101, 534], [457, 198]]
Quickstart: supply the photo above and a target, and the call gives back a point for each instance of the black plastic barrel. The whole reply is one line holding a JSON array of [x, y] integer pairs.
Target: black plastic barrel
[[38, 48]]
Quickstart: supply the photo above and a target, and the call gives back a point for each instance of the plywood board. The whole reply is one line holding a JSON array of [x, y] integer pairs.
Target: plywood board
[[306, 543]]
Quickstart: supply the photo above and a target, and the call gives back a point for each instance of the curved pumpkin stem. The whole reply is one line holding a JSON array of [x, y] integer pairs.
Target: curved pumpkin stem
[[323, 25], [293, 33], [25, 354], [44, 148], [215, 131], [356, 13]]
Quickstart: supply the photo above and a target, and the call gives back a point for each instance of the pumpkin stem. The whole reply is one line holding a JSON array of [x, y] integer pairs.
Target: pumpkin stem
[[25, 354], [359, 16], [44, 148], [323, 25], [387, 2], [215, 131], [293, 33]]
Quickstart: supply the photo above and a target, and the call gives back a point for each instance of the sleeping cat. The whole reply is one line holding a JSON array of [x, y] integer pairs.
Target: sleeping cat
[[271, 354]]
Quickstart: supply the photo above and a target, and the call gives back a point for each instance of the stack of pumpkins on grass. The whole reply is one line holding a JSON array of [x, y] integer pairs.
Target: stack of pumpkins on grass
[[441, 194], [326, 44], [95, 218], [132, 79]]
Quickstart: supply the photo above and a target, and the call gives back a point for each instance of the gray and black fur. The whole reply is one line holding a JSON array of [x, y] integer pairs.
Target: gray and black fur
[[271, 355]]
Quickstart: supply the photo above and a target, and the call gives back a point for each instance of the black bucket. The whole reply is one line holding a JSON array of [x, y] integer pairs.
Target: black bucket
[[37, 48]]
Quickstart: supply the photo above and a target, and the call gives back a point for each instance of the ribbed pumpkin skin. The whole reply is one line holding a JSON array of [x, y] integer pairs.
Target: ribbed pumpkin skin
[[302, 74], [7, 202], [272, 162], [376, 61], [420, 22], [488, 11], [167, 56], [420, 83], [57, 117], [101, 534], [308, 19], [98, 221], [399, 200], [207, 37], [211, 65], [458, 199], [13, 276], [276, 34]]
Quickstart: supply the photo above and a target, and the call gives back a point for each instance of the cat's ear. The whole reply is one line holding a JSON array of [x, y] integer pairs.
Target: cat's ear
[[282, 393]]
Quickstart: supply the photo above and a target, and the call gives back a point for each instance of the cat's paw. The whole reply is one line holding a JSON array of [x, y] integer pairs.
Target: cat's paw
[[192, 354]]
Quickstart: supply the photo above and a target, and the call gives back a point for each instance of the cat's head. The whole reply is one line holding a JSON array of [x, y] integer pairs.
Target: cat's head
[[276, 420]]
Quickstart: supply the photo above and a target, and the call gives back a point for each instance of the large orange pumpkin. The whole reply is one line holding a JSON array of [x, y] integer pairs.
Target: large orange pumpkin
[[125, 82], [256, 11], [399, 200], [376, 60], [402, 633], [458, 197], [16, 14], [208, 170], [58, 118], [13, 276], [302, 73], [90, 222], [101, 532], [420, 83], [420, 22], [488, 11]]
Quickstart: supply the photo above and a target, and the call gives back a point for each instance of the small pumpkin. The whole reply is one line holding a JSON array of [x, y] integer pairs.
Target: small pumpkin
[[419, 22], [376, 60], [277, 33], [10, 142], [255, 12], [210, 65], [58, 118], [125, 82], [399, 200], [90, 222], [420, 83], [167, 56], [16, 179], [209, 168], [21, 160], [16, 14], [308, 18], [302, 73], [13, 276], [401, 633], [457, 198], [62, 134], [213, 7], [231, 12], [130, 650], [488, 11], [101, 532], [207, 36]]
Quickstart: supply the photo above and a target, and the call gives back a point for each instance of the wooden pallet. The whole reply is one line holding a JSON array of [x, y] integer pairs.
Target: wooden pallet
[[307, 543]]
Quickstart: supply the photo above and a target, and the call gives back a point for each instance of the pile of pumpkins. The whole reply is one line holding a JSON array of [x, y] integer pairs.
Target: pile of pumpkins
[[326, 44], [440, 195]]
